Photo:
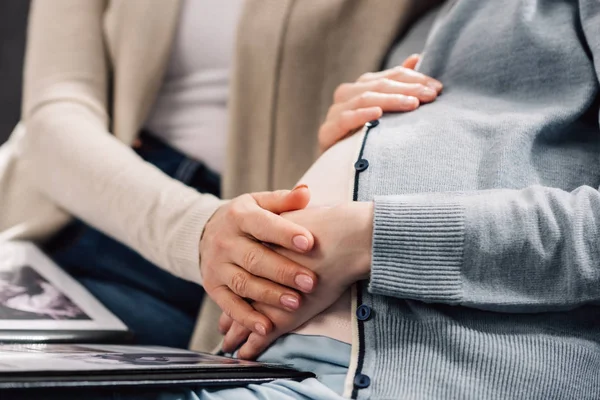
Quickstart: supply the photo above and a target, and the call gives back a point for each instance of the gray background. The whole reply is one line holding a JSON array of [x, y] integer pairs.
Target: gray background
[[13, 22]]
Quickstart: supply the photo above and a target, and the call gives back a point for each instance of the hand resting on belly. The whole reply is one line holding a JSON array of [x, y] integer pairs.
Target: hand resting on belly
[[331, 182]]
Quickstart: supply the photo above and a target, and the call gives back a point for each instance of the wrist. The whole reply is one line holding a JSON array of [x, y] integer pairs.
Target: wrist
[[362, 215]]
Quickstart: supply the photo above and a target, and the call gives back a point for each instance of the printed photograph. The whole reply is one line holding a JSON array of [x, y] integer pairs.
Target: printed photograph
[[140, 359], [43, 348], [64, 357], [27, 295]]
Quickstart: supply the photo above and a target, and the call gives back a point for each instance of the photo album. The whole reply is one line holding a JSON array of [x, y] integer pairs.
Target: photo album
[[48, 366], [55, 334]]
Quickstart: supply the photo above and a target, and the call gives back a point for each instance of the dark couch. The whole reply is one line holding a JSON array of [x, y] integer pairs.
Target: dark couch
[[13, 22]]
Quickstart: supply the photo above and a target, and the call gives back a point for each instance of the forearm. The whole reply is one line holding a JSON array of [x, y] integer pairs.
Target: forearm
[[525, 250], [74, 161]]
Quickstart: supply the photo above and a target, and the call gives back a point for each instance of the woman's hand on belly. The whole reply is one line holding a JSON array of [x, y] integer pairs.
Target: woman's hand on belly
[[341, 256], [235, 264], [398, 89]]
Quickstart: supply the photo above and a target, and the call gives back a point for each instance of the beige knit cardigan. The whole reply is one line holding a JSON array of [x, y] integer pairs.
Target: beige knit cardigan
[[92, 72]]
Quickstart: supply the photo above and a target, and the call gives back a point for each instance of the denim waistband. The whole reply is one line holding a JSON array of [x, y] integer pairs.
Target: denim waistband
[[178, 166]]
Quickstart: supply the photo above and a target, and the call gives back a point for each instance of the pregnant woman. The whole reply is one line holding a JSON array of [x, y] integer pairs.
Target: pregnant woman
[[471, 246]]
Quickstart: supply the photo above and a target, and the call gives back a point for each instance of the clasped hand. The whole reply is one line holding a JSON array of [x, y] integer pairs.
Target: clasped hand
[[255, 263], [235, 265], [340, 256]]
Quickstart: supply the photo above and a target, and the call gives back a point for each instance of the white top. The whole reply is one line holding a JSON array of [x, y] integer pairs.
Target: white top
[[190, 112]]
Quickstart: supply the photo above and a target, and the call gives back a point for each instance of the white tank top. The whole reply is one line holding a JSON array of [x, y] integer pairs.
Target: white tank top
[[190, 111]]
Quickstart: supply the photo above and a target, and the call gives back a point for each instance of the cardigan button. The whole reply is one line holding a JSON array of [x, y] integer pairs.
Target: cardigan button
[[362, 381], [361, 165], [363, 312], [372, 124]]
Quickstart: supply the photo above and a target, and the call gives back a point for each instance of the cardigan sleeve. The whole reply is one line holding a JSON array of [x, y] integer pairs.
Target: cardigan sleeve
[[72, 158], [530, 250]]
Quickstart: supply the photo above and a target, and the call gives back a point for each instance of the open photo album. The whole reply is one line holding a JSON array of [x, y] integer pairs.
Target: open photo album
[[46, 366]]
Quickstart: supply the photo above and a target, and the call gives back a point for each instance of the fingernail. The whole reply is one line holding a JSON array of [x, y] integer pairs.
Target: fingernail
[[435, 85], [261, 329], [428, 92], [302, 186], [289, 301], [304, 282], [301, 242]]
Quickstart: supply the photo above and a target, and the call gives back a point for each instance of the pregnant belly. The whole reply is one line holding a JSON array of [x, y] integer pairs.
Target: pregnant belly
[[331, 182]]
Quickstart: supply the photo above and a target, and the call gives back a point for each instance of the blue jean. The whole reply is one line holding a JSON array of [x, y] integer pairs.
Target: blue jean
[[141, 294]]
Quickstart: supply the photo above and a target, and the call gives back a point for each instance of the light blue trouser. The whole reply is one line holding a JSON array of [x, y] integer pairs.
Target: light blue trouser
[[308, 389], [327, 358]]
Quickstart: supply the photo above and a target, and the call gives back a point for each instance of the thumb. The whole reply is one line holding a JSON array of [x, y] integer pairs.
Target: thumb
[[411, 61], [281, 201]]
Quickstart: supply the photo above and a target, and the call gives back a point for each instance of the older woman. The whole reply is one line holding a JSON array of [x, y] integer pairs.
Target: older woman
[[472, 245]]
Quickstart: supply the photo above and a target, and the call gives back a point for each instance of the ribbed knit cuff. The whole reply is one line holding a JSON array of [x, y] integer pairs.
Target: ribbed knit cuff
[[185, 250], [418, 244]]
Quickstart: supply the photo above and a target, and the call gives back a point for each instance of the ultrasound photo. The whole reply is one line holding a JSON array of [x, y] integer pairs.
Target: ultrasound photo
[[40, 302], [27, 295]]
